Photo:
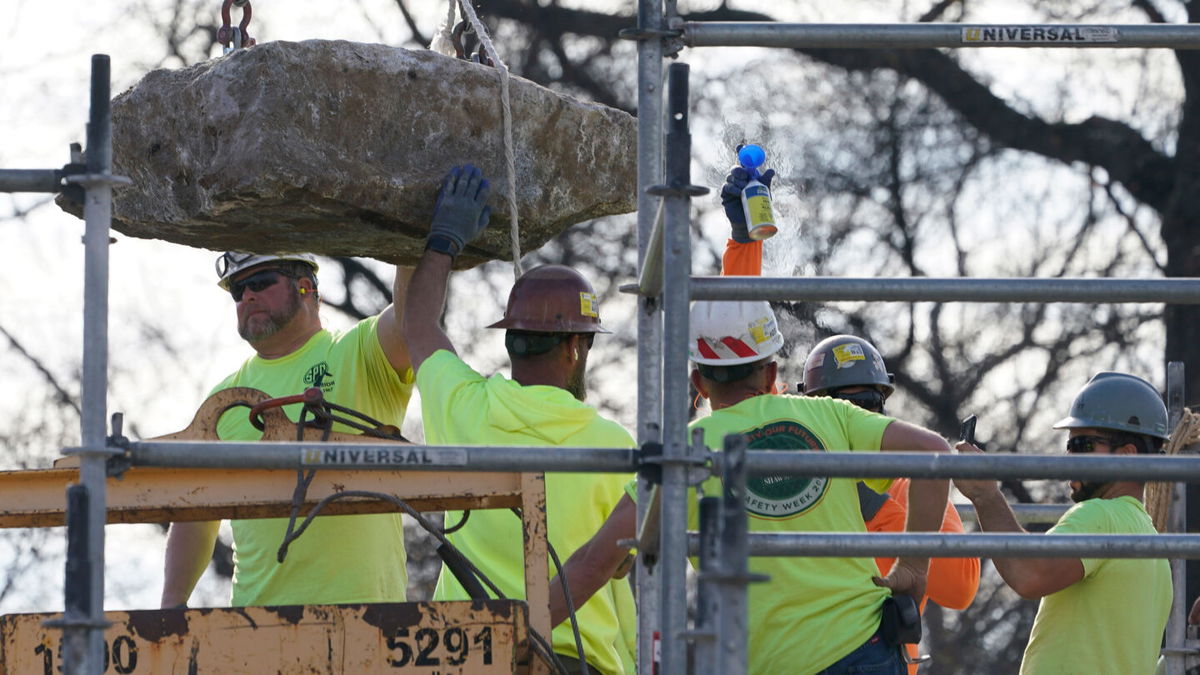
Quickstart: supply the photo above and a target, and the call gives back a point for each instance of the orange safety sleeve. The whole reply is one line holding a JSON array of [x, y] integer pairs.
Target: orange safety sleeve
[[742, 260]]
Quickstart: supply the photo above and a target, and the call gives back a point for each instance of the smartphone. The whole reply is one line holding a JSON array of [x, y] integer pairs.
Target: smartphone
[[966, 432]]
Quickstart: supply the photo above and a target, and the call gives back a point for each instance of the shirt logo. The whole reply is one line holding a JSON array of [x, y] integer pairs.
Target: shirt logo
[[783, 497], [319, 376]]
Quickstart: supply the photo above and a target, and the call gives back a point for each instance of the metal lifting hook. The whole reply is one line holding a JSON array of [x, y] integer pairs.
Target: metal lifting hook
[[472, 48], [239, 36]]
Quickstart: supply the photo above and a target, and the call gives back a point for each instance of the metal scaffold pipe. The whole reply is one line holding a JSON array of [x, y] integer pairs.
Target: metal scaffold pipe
[[998, 467], [649, 316], [938, 35], [1026, 514], [376, 456], [30, 180], [837, 544], [958, 289], [677, 263]]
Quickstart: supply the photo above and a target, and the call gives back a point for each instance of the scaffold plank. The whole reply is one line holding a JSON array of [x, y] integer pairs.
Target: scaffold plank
[[37, 497]]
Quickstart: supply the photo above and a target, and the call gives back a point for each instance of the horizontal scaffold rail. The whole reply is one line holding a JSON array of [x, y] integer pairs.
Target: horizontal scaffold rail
[[1027, 514], [1177, 291], [946, 465], [1011, 545], [30, 180], [379, 456], [931, 35]]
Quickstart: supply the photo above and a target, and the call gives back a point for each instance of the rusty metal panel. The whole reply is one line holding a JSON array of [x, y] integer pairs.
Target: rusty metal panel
[[413, 637], [533, 517], [37, 497]]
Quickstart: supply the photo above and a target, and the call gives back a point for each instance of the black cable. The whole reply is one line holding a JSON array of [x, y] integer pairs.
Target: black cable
[[566, 595], [538, 641], [459, 525]]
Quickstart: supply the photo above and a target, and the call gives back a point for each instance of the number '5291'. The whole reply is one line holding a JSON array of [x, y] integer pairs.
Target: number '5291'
[[419, 648]]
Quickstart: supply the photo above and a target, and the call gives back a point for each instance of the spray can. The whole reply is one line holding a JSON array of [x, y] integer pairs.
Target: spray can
[[756, 197]]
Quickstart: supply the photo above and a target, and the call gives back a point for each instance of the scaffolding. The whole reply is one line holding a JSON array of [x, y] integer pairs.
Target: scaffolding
[[666, 286], [667, 453]]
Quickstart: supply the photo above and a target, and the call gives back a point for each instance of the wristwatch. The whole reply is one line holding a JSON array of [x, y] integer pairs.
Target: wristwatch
[[442, 244]]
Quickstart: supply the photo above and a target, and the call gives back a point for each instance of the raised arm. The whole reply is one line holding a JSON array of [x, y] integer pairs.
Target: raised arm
[[743, 255], [391, 338], [1031, 578], [460, 215]]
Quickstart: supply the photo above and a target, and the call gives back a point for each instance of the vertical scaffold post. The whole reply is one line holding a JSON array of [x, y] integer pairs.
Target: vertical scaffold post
[[83, 652], [735, 552], [649, 326], [708, 589], [676, 293], [1176, 660]]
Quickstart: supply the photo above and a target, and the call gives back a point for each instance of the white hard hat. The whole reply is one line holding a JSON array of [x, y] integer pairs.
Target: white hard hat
[[232, 262], [731, 333]]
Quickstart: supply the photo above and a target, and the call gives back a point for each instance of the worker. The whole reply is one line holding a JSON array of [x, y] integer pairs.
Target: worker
[[815, 615], [852, 369], [340, 559], [1096, 615], [550, 322]]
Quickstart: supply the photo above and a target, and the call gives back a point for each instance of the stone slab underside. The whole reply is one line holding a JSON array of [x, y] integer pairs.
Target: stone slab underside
[[339, 148]]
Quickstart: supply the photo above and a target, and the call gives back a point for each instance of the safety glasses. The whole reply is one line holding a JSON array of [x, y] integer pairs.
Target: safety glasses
[[870, 399], [1082, 445], [257, 282]]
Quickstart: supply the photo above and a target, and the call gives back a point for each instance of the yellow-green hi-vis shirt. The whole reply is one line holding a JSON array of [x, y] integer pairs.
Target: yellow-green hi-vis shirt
[[338, 559], [813, 611], [1112, 620], [461, 407]]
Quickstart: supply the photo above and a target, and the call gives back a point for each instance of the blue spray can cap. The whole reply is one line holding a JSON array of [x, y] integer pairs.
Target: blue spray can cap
[[751, 157]]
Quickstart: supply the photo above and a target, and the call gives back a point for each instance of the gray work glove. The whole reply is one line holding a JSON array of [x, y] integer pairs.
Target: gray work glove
[[731, 199], [461, 212]]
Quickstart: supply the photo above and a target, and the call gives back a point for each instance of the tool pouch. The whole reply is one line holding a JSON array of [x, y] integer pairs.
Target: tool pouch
[[901, 621]]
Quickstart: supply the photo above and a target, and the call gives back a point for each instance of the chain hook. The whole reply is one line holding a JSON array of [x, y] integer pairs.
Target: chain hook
[[472, 48], [227, 33]]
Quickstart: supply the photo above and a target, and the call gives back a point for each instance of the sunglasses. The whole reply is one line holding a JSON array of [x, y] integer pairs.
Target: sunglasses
[[870, 399], [1081, 445], [257, 282]]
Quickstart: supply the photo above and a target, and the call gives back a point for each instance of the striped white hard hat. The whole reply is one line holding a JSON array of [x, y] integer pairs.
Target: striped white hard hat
[[731, 333], [233, 262]]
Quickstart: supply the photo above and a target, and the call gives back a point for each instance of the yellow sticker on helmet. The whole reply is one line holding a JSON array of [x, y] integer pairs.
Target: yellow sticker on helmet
[[587, 304], [847, 354], [759, 330]]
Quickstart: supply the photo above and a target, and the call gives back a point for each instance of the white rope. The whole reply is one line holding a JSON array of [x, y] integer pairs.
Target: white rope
[[509, 156], [443, 40]]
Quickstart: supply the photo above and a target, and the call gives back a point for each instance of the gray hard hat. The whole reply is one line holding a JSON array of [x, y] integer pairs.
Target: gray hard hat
[[1119, 402], [845, 361]]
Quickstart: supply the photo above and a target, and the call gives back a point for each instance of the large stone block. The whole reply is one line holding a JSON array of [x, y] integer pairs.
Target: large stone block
[[339, 148]]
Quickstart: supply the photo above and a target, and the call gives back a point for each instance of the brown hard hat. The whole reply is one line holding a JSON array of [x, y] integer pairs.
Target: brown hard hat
[[552, 299]]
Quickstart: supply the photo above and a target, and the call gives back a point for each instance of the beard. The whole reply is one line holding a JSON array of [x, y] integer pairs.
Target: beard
[[577, 380], [260, 326], [1085, 491]]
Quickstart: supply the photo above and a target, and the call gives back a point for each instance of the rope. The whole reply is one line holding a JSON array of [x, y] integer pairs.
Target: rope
[[1159, 494], [442, 41], [506, 106]]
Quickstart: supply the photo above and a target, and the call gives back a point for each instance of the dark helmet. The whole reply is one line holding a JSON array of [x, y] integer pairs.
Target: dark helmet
[[1119, 402], [845, 361], [552, 299]]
